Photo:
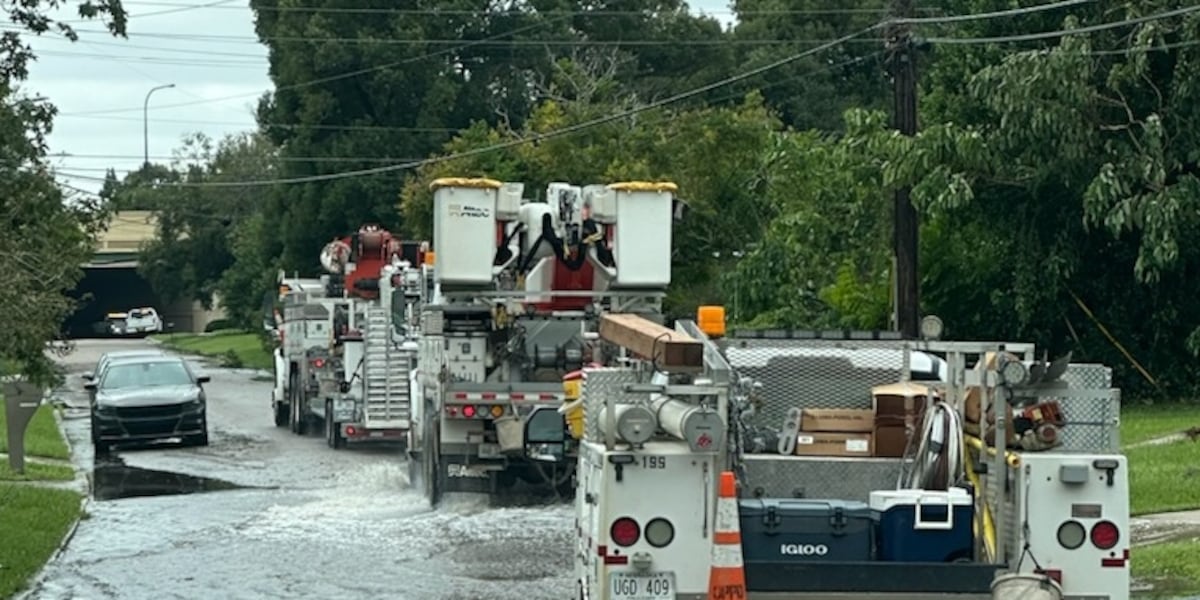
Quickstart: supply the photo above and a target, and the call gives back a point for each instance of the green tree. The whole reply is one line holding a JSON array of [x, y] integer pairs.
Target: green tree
[[45, 236], [197, 217], [361, 90]]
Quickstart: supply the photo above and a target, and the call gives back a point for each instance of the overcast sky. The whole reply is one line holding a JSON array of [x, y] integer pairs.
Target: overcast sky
[[207, 48]]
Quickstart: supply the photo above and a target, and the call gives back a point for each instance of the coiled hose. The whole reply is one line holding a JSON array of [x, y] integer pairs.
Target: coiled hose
[[941, 442]]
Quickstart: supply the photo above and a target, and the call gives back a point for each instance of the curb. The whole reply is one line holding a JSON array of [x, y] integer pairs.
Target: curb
[[35, 582]]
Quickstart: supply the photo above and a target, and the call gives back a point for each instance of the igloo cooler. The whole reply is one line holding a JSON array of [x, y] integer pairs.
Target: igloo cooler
[[924, 525], [788, 530]]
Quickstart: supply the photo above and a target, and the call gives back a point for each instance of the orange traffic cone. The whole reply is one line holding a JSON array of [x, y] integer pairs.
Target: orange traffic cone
[[727, 577]]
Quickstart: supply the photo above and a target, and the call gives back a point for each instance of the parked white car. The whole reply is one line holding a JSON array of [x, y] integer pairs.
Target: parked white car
[[143, 321]]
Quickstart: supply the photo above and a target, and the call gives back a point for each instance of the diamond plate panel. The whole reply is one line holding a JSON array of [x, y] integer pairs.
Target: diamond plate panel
[[775, 476], [601, 384], [1088, 376]]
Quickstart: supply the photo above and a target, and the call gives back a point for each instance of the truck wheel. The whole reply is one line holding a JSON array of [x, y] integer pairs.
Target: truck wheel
[[333, 430], [415, 466], [293, 405], [432, 466], [282, 413]]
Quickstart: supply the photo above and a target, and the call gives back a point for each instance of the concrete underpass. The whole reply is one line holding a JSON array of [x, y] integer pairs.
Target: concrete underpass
[[111, 282]]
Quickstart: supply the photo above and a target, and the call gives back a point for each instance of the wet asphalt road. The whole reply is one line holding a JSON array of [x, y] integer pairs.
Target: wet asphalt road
[[262, 513]]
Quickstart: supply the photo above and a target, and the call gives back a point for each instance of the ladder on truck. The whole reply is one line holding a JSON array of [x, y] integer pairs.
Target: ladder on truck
[[385, 374]]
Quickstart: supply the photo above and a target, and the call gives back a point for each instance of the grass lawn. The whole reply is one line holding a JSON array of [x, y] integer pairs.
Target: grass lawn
[[42, 516], [234, 348], [42, 437], [1171, 567], [36, 472], [1162, 478]]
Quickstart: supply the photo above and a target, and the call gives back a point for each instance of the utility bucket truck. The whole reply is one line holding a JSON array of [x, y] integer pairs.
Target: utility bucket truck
[[875, 467], [358, 361], [303, 329], [518, 289], [648, 431]]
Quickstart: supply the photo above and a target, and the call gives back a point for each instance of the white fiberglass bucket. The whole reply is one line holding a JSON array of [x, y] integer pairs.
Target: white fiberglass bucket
[[1025, 586]]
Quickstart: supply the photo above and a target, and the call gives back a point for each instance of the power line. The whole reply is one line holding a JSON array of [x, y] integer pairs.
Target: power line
[[577, 13], [279, 158], [260, 65], [486, 43], [322, 80], [663, 119], [1029, 37], [1012, 12], [623, 114], [548, 135], [522, 29], [254, 125]]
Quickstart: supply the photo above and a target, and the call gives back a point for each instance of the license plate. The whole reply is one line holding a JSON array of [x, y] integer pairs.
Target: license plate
[[376, 434], [639, 586], [489, 451]]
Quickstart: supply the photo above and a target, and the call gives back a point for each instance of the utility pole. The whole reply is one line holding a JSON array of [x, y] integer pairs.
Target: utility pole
[[904, 219], [146, 122]]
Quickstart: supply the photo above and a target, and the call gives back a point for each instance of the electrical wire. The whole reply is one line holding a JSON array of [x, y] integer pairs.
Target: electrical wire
[[200, 159], [460, 12], [544, 136], [329, 79], [627, 113], [880, 25], [254, 125], [1029, 37]]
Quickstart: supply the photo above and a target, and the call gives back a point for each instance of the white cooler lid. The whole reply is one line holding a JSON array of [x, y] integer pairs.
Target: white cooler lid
[[884, 499]]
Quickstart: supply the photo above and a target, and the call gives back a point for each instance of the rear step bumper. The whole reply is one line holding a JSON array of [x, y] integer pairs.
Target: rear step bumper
[[358, 433]]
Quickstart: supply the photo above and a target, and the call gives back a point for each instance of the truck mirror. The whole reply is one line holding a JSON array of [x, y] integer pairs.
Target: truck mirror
[[90, 385], [88, 376], [203, 379], [545, 425]]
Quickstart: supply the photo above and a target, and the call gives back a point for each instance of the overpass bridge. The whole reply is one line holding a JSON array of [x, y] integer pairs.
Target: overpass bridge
[[111, 282]]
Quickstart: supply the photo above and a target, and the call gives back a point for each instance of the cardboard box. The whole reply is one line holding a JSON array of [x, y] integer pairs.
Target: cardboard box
[[833, 444], [904, 398], [890, 441], [837, 420]]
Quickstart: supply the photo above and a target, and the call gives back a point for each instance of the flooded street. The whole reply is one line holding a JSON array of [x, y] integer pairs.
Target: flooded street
[[262, 513]]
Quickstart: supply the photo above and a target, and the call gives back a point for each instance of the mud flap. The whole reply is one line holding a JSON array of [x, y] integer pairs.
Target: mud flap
[[467, 478]]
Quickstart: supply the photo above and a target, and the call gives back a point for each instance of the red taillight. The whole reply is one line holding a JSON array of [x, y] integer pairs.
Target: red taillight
[[625, 532], [351, 431], [1105, 535], [468, 411], [318, 362]]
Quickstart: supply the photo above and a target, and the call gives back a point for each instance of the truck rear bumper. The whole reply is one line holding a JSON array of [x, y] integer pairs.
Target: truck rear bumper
[[892, 580], [357, 433]]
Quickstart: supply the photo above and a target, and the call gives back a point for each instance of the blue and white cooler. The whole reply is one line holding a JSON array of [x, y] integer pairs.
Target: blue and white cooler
[[924, 525]]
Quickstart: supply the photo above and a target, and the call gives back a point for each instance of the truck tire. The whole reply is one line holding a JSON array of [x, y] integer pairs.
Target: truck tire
[[333, 429], [299, 416], [433, 474], [282, 413]]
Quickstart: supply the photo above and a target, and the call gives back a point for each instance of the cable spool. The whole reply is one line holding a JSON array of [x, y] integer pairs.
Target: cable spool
[[941, 445]]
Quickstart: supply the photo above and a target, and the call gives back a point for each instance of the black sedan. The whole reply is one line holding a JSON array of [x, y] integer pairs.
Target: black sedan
[[146, 399]]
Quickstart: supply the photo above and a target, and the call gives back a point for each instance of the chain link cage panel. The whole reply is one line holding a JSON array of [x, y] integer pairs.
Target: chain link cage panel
[[813, 373]]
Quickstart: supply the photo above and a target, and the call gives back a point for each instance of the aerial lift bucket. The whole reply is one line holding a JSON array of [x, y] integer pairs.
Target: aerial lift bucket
[[1025, 586]]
